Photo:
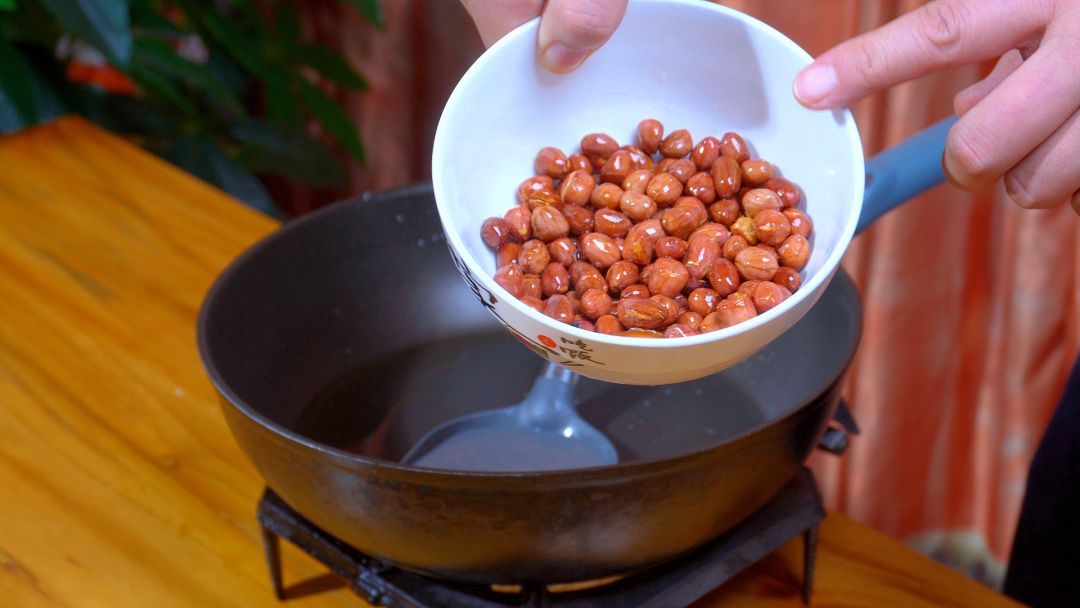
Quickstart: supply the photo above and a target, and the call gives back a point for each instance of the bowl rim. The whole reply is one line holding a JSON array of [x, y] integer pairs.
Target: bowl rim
[[812, 285]]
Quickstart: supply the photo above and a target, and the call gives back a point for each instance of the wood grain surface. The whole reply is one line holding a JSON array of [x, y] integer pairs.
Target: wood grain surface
[[119, 482]]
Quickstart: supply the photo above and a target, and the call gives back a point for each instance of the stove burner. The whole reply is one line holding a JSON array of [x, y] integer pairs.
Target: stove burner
[[796, 510]]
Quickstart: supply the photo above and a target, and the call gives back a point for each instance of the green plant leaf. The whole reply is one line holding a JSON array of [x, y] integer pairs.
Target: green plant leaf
[[286, 23], [147, 18], [242, 46], [270, 148], [159, 86], [200, 157], [151, 55], [371, 10], [332, 118], [7, 5], [103, 24], [282, 104], [329, 64], [15, 77]]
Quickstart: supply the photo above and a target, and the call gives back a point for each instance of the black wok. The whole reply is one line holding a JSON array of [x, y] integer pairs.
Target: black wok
[[340, 340]]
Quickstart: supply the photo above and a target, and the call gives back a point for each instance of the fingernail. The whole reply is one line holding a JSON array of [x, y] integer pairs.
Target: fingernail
[[561, 59], [815, 83]]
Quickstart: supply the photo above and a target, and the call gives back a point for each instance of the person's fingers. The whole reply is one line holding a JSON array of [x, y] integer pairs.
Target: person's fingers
[[966, 99], [1032, 103], [1051, 173], [572, 29], [495, 20], [940, 34]]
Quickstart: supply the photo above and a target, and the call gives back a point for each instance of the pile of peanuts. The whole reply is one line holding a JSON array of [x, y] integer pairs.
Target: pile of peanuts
[[618, 240]]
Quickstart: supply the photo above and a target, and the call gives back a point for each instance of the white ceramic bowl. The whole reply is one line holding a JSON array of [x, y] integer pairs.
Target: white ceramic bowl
[[690, 64]]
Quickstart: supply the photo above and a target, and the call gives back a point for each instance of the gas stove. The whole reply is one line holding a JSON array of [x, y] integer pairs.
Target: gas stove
[[795, 511]]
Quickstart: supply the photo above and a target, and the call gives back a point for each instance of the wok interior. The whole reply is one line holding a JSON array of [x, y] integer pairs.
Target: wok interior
[[352, 328]]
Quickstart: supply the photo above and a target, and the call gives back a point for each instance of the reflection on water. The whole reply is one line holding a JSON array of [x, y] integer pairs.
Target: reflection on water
[[381, 410]]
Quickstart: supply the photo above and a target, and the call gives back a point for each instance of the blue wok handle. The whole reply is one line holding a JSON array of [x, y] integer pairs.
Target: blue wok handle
[[903, 171]]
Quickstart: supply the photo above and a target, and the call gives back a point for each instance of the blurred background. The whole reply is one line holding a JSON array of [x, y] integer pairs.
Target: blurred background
[[972, 304]]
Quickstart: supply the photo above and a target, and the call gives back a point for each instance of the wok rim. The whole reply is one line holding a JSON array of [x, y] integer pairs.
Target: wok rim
[[352, 460]]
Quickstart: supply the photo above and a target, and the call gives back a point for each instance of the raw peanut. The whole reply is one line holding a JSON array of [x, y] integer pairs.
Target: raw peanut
[[580, 219], [600, 249], [772, 227], [705, 153], [733, 246], [543, 198], [563, 251], [533, 302], [555, 279], [507, 252], [558, 307], [671, 308], [800, 222], [512, 279], [617, 167], [598, 146], [756, 264], [652, 227], [710, 323], [532, 184], [700, 186], [581, 322], [690, 318], [596, 303], [735, 309], [640, 313], [533, 286], [635, 291], [520, 221], [494, 231], [637, 180], [744, 227], [717, 232], [577, 188], [638, 248], [787, 278], [552, 162], [701, 252], [760, 199], [682, 169], [638, 157], [643, 274], [664, 189], [649, 135], [548, 224], [606, 196], [768, 295], [585, 276], [681, 301], [727, 176], [670, 247], [757, 171], [580, 162], [637, 206], [787, 191], [702, 300], [681, 220], [609, 324], [611, 223], [693, 284], [621, 275], [794, 252], [663, 164], [747, 288], [575, 301], [725, 211], [668, 277], [733, 145], [770, 249], [534, 257], [724, 277], [679, 330], [677, 144]]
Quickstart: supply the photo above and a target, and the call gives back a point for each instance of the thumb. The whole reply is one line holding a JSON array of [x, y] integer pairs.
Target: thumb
[[570, 30]]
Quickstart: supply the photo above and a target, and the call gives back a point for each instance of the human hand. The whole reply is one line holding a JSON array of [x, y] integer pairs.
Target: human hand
[[1021, 122], [570, 30]]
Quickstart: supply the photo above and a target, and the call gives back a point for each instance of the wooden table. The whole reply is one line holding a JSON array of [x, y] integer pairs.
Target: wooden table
[[119, 482]]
